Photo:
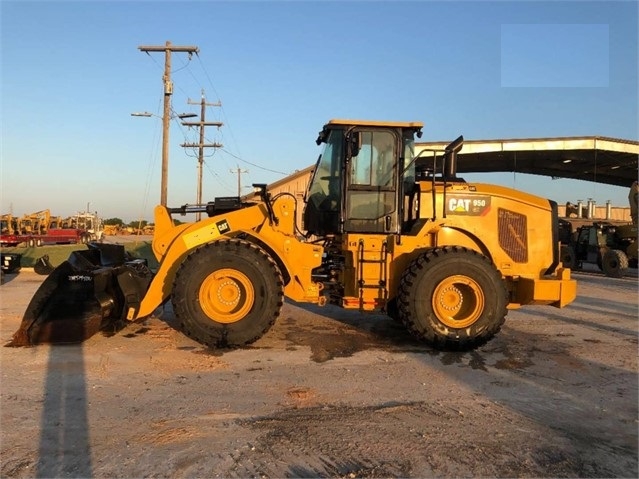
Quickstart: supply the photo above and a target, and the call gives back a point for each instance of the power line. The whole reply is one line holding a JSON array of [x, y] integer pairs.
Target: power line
[[253, 164], [151, 165], [228, 125], [230, 129], [218, 177], [239, 172]]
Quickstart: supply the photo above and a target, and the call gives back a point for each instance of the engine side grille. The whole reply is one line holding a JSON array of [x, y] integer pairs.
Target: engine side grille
[[513, 237]]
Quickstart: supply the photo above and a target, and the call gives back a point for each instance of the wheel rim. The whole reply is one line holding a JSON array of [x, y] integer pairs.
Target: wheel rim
[[458, 301], [227, 295]]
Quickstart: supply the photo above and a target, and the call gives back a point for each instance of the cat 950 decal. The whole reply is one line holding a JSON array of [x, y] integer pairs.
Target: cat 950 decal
[[467, 205]]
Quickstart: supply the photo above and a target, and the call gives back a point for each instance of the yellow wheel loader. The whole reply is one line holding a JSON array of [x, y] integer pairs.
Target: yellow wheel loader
[[383, 230]]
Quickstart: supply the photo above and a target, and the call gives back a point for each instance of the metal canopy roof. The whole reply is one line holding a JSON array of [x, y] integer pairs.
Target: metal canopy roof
[[602, 160]]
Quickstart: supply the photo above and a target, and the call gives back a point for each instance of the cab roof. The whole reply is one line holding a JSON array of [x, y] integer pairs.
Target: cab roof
[[390, 124]]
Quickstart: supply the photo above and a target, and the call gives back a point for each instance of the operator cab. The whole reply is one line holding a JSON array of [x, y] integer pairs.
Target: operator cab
[[361, 178]]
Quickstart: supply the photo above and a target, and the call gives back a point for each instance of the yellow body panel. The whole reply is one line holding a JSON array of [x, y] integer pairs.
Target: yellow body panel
[[556, 292], [171, 245], [450, 224]]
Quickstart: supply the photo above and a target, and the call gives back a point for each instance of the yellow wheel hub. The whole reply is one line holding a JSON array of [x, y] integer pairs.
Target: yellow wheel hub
[[227, 295], [458, 301]]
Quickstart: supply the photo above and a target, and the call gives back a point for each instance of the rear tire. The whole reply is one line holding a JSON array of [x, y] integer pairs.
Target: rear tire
[[227, 293], [452, 298], [615, 263], [600, 255]]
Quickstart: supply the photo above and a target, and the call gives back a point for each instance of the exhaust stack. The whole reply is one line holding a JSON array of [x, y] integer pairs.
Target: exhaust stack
[[451, 157]]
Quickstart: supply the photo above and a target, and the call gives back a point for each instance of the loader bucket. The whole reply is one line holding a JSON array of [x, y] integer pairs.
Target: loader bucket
[[90, 291]]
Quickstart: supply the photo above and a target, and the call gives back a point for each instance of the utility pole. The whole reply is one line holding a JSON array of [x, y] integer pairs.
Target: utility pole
[[168, 48], [239, 179], [201, 145]]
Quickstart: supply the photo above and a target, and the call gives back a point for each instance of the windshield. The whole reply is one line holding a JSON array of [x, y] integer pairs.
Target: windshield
[[324, 190]]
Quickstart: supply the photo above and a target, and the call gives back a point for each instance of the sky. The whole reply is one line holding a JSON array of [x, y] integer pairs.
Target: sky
[[72, 74]]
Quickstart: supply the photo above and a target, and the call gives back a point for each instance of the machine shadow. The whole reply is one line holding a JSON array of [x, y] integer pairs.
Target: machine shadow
[[8, 277], [64, 448]]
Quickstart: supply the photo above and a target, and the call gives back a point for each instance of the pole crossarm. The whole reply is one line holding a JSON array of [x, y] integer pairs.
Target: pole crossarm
[[169, 47], [203, 123], [201, 145], [191, 102]]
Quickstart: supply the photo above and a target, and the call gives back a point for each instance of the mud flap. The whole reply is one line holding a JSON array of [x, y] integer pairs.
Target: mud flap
[[93, 290]]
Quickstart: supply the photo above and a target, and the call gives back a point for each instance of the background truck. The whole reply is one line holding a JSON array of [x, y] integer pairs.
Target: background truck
[[89, 223], [384, 231], [9, 263], [40, 228], [613, 247]]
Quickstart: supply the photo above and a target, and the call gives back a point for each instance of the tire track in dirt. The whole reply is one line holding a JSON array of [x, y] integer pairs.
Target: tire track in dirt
[[401, 440]]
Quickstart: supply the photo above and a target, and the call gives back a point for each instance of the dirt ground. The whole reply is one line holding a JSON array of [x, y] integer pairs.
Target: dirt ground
[[329, 393]]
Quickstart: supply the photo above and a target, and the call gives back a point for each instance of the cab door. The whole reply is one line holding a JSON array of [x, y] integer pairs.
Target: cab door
[[371, 183]]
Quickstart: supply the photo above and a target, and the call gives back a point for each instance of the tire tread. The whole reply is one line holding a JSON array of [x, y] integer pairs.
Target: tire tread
[[407, 295], [221, 337]]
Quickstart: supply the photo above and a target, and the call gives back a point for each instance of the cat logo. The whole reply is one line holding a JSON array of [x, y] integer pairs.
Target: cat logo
[[465, 205], [223, 226], [458, 205]]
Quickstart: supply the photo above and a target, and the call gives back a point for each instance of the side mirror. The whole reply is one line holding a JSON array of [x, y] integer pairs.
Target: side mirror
[[321, 137]]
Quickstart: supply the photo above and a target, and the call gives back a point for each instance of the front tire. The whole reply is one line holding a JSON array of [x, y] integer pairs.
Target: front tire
[[227, 293], [452, 298], [615, 263]]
